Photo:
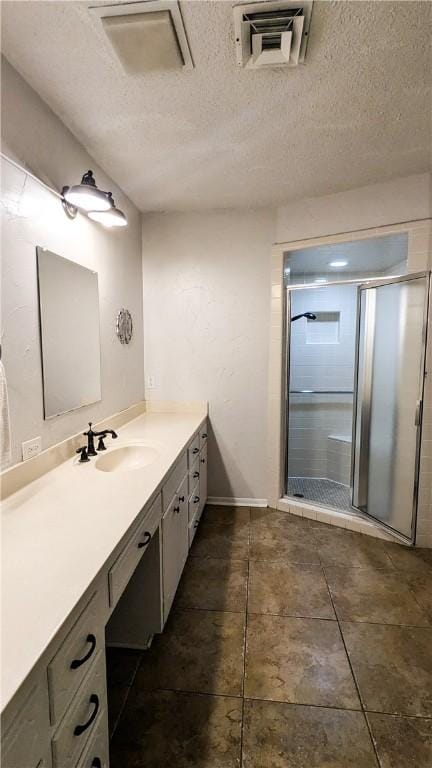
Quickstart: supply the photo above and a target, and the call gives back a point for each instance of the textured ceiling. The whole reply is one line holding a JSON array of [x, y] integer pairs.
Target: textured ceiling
[[357, 112]]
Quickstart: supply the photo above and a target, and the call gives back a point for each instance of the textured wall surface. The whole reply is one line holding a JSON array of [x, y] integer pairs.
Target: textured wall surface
[[219, 136], [30, 216], [405, 199], [206, 318]]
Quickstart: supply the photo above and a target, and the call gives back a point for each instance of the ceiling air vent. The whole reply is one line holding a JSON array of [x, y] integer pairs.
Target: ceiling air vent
[[272, 34], [146, 36]]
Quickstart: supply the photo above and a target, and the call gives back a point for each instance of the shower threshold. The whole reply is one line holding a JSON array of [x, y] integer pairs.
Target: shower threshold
[[320, 490]]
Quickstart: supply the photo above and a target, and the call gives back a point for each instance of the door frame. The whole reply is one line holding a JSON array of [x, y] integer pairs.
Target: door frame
[[377, 283], [419, 258]]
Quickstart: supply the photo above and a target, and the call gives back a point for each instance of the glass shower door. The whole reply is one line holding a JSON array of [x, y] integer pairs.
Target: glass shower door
[[390, 376]]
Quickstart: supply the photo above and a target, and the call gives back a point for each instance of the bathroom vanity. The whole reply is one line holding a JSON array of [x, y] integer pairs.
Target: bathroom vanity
[[92, 554]]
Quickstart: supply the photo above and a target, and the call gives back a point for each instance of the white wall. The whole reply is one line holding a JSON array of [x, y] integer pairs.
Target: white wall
[[31, 215], [377, 205], [206, 317]]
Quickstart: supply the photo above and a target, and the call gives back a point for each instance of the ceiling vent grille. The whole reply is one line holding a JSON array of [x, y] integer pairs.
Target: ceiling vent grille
[[272, 34]]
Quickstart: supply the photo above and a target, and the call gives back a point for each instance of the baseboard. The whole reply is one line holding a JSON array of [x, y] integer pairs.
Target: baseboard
[[233, 501]]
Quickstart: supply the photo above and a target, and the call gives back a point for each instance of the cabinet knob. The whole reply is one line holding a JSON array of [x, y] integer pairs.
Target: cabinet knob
[[145, 541], [195, 450], [204, 435], [96, 763], [176, 509], [196, 499], [202, 461], [196, 524], [181, 499], [195, 475]]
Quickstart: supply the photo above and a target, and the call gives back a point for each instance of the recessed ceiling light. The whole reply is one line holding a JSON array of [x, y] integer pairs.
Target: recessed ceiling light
[[338, 264]]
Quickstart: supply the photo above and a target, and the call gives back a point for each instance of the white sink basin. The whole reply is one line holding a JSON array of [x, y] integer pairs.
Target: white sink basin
[[126, 458]]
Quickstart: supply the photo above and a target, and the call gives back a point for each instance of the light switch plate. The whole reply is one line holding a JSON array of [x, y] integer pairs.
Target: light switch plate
[[31, 448]]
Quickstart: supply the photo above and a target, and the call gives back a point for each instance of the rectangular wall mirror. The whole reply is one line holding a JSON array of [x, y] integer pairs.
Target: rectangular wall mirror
[[70, 333]]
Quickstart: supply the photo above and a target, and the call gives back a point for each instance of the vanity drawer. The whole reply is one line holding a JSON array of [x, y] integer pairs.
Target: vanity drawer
[[76, 655], [96, 753], [192, 528], [174, 481], [194, 474], [203, 478], [124, 566], [193, 449], [83, 718], [194, 502], [25, 728], [203, 435]]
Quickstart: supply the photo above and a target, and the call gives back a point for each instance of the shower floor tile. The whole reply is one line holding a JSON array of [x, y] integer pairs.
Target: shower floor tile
[[321, 490]]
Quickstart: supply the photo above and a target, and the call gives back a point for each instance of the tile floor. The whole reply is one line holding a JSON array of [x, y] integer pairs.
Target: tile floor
[[291, 644]]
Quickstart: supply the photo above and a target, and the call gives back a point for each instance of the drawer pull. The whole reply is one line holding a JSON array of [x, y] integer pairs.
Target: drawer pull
[[177, 509], [79, 729], [195, 450], [181, 499], [204, 435], [202, 461], [96, 763], [78, 662], [147, 537], [195, 499], [195, 475]]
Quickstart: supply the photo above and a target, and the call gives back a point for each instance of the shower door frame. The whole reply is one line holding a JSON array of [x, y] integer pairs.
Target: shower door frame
[[376, 283], [371, 282]]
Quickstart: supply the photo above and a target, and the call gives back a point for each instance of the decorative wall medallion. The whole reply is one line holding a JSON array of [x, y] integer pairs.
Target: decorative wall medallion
[[124, 327]]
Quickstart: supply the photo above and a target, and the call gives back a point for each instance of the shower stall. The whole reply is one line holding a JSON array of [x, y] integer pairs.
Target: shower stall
[[355, 365]]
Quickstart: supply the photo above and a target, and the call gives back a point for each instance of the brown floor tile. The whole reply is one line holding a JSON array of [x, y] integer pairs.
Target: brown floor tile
[[392, 666], [225, 541], [162, 729], [199, 651], [291, 546], [266, 520], [289, 590], [214, 584], [225, 515], [421, 585], [342, 547], [117, 695], [289, 736], [374, 595], [302, 661], [402, 742], [411, 559]]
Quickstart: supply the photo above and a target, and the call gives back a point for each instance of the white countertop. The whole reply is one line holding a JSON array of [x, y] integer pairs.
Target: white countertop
[[59, 531]]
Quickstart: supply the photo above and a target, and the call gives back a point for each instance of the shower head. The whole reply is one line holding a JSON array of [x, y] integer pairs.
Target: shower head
[[308, 315]]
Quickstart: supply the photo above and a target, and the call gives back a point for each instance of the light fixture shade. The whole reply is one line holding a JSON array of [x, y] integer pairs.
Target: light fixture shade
[[87, 196], [111, 218]]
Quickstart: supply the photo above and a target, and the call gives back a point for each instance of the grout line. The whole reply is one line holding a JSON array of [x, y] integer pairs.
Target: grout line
[[378, 761], [245, 640]]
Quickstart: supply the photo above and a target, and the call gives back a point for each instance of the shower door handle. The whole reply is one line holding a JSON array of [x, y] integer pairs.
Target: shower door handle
[[418, 413]]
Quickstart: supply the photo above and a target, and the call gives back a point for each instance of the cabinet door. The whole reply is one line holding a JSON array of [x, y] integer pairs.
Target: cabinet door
[[203, 478], [175, 544]]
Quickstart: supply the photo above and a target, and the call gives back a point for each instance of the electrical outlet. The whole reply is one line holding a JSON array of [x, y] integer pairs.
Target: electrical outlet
[[150, 382], [31, 448]]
